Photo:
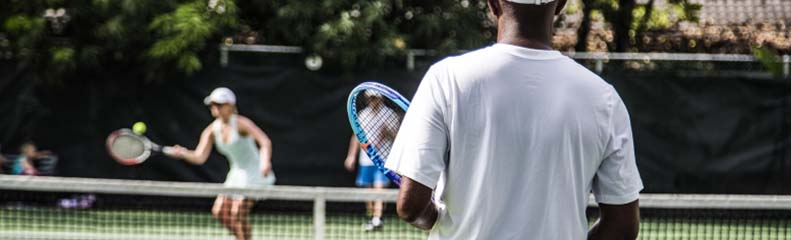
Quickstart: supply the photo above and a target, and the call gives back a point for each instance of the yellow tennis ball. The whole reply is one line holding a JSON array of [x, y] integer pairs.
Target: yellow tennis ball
[[139, 128]]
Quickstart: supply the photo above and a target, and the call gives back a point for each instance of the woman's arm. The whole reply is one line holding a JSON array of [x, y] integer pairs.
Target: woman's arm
[[200, 154], [27, 166], [248, 127]]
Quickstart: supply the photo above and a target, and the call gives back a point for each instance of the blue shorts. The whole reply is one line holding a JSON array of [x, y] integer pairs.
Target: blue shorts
[[368, 176]]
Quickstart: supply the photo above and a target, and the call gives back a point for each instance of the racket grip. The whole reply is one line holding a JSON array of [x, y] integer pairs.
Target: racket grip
[[168, 150]]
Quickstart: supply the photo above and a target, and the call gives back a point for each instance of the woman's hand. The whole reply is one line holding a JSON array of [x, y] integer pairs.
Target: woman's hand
[[266, 168], [177, 151]]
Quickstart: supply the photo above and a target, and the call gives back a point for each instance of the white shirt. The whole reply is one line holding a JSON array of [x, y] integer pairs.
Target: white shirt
[[369, 114], [523, 136]]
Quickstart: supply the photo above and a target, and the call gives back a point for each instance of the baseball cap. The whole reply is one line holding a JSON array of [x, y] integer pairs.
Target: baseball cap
[[221, 95], [536, 2]]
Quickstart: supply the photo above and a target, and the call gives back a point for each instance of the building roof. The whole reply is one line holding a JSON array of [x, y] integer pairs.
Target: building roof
[[737, 11]]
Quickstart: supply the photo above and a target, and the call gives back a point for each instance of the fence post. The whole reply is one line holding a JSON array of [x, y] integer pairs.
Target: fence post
[[787, 66], [319, 213], [410, 60], [223, 55], [599, 65]]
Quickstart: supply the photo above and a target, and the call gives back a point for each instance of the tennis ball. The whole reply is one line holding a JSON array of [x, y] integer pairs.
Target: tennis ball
[[139, 128]]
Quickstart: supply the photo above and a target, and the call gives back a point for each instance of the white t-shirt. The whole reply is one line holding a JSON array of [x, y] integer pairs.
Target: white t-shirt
[[369, 113], [523, 137]]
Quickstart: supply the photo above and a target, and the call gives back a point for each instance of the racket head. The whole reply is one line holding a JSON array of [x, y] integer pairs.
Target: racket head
[[375, 114], [128, 148]]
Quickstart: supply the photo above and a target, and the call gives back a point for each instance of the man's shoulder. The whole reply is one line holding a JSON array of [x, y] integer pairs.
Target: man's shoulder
[[586, 74], [468, 57], [465, 64], [581, 76]]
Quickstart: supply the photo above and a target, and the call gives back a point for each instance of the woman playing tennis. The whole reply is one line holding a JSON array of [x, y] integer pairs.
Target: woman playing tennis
[[235, 137]]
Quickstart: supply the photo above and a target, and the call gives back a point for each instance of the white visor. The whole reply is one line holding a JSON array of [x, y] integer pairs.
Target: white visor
[[535, 2], [220, 95]]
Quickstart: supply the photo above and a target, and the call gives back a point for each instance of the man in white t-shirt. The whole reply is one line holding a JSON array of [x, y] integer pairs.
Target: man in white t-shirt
[[523, 135]]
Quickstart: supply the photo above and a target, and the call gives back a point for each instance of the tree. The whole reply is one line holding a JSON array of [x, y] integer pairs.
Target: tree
[[630, 20], [56, 39], [159, 39], [359, 33]]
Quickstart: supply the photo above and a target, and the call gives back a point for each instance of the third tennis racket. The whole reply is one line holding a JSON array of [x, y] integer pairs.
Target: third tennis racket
[[375, 114]]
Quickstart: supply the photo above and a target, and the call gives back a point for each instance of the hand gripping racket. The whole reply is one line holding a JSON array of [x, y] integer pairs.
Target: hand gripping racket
[[375, 114], [129, 148]]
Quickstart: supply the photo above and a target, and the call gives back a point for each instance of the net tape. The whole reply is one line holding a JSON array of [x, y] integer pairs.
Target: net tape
[[305, 193]]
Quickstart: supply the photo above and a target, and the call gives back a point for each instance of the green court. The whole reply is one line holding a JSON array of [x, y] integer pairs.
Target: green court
[[53, 223]]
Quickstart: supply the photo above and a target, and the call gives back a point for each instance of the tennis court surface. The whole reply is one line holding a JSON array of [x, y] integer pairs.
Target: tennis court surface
[[51, 208]]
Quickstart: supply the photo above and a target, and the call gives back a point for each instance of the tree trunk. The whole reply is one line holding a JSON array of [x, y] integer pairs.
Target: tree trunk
[[622, 24], [585, 27]]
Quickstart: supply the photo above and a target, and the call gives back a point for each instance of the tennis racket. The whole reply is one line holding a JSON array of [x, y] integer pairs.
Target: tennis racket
[[129, 148], [375, 114]]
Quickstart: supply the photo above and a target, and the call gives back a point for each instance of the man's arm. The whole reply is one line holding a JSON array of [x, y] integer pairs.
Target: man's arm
[[617, 222], [414, 204]]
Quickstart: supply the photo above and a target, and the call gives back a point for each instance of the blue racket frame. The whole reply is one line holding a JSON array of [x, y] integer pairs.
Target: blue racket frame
[[369, 149]]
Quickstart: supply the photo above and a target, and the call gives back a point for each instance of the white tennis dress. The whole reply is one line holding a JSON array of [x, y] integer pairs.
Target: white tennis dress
[[242, 154]]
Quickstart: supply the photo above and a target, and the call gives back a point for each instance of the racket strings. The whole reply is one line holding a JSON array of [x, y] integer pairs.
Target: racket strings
[[380, 127], [127, 147]]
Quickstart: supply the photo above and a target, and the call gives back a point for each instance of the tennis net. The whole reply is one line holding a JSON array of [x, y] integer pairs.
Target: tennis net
[[76, 208], [79, 208]]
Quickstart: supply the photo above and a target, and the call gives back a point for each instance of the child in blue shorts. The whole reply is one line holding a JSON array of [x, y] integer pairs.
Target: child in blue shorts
[[367, 176]]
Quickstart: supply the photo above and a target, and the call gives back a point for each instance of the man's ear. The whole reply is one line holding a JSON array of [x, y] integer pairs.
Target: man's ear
[[495, 8], [560, 6]]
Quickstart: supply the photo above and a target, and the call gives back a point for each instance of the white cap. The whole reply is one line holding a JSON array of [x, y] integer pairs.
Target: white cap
[[536, 2], [221, 95], [371, 94]]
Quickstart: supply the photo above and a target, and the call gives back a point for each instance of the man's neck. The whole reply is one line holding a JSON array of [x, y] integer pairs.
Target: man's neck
[[541, 39], [536, 35], [527, 43]]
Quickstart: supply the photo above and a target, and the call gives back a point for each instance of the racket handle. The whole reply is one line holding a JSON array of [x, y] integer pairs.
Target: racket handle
[[168, 150]]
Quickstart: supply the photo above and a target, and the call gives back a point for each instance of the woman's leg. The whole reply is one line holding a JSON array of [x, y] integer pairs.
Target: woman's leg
[[247, 205], [222, 211], [240, 208]]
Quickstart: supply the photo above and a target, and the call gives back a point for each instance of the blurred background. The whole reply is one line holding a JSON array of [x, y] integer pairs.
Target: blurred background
[[706, 81]]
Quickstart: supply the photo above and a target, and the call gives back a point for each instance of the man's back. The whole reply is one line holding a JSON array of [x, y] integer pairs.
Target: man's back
[[525, 133]]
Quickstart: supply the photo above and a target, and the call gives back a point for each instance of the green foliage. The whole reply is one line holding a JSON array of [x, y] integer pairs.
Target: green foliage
[[659, 19], [29, 28], [354, 34], [189, 62], [106, 36], [62, 55], [645, 15], [166, 37], [770, 59], [20, 23]]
